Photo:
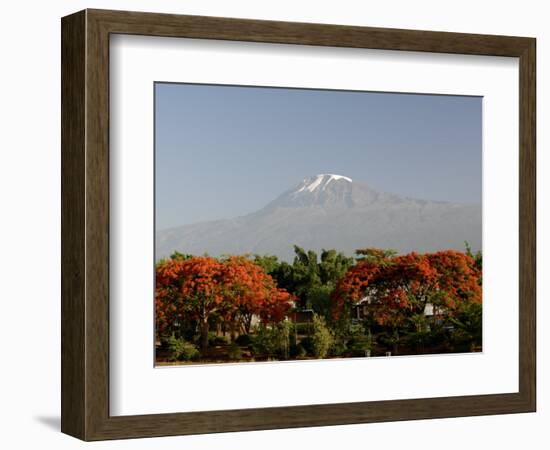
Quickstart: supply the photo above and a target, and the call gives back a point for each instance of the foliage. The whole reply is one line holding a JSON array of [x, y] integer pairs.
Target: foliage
[[458, 278], [374, 255], [250, 291], [178, 255], [419, 333], [269, 263], [310, 278], [200, 287], [477, 258], [321, 337], [395, 291], [272, 341], [468, 325], [181, 350], [339, 346], [396, 287], [378, 299], [391, 339], [350, 340], [359, 343], [189, 289], [318, 297]]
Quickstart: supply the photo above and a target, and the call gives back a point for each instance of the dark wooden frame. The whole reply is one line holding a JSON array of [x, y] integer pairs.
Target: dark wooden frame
[[85, 224]]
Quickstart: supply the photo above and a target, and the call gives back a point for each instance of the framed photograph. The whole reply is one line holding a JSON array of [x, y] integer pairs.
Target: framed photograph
[[272, 225]]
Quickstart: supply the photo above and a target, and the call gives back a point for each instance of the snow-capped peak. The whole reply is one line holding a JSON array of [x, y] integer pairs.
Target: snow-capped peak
[[320, 181], [324, 190]]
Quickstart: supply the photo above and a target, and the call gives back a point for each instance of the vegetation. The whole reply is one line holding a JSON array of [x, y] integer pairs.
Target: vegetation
[[271, 342], [247, 308], [181, 350], [202, 289], [321, 337]]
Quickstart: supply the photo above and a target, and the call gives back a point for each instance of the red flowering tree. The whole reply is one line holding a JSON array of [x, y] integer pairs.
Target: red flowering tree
[[189, 289], [250, 291], [459, 278], [396, 287], [198, 288]]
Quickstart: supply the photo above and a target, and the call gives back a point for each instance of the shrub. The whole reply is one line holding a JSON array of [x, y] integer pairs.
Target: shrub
[[234, 351], [272, 342], [181, 350], [338, 347], [359, 343], [340, 338], [321, 337]]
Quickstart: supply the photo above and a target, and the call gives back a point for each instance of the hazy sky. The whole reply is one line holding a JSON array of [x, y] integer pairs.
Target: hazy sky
[[225, 151]]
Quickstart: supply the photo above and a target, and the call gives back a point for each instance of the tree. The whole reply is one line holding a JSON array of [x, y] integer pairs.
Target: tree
[[333, 266], [477, 257], [250, 290], [305, 274], [321, 337], [459, 279], [270, 263], [318, 298], [409, 282], [395, 289], [468, 324], [373, 254], [179, 255], [190, 289], [200, 287], [309, 277]]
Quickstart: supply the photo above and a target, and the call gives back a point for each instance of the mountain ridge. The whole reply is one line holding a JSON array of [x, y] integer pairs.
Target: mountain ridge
[[331, 211]]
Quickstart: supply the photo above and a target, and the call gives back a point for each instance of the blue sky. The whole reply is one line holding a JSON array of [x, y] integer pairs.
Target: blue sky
[[225, 151]]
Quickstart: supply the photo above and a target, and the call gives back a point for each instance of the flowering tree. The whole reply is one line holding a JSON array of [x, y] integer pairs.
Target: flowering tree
[[250, 291], [198, 287], [189, 289], [397, 287], [459, 278]]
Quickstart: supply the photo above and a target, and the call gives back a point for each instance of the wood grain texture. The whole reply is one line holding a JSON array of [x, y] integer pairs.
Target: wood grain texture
[[527, 224], [97, 226], [151, 24], [73, 109], [85, 224]]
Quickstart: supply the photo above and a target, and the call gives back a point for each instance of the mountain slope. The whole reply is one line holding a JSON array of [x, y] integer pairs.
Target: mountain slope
[[331, 211]]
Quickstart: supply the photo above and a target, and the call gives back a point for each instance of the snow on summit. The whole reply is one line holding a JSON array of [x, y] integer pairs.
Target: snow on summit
[[329, 211], [320, 182]]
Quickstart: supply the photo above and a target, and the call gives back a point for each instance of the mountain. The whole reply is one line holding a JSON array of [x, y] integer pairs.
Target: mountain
[[331, 211]]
